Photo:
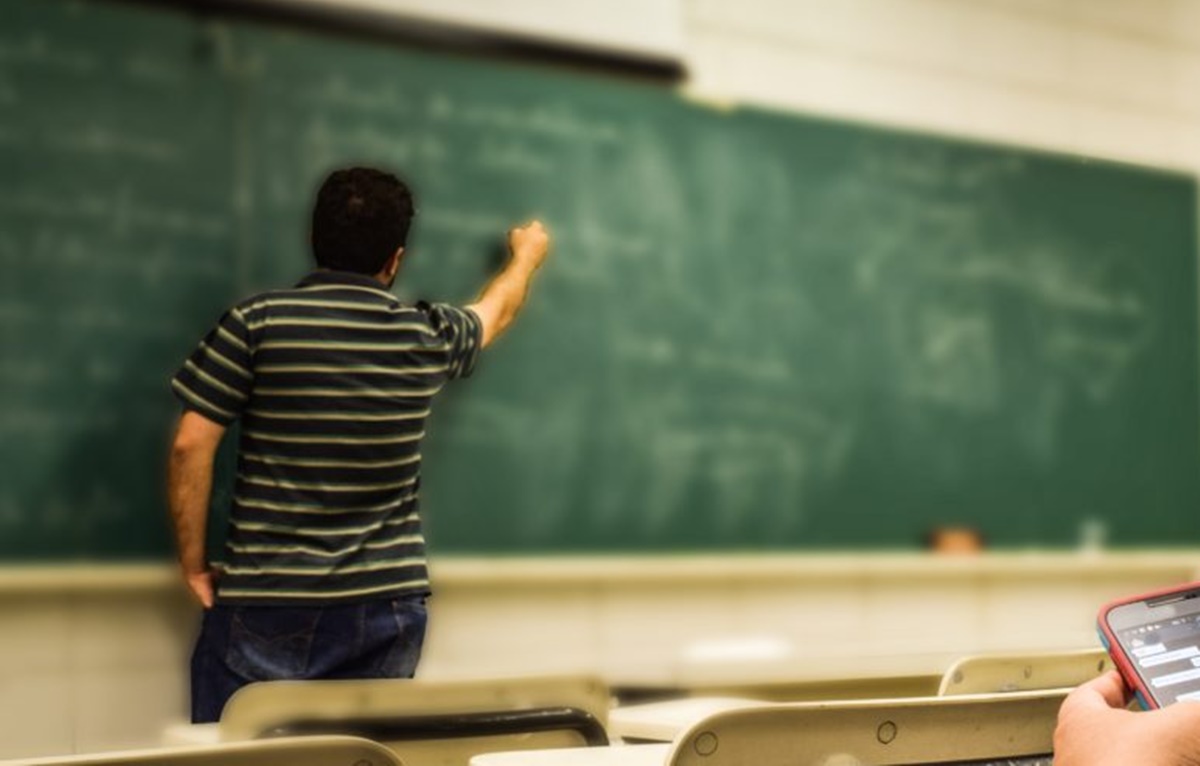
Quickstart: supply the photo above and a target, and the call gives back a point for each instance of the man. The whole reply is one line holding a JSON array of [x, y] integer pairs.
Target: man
[[332, 381], [1096, 729]]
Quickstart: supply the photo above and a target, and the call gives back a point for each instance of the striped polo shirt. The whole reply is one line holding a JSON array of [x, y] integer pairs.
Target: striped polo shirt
[[332, 382]]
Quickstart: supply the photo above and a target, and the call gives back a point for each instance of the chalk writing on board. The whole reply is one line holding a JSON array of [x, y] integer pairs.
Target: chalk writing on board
[[464, 221], [326, 144], [951, 358], [105, 142], [35, 49], [54, 422], [378, 98], [943, 289], [515, 157], [555, 121], [116, 210], [29, 372], [155, 70]]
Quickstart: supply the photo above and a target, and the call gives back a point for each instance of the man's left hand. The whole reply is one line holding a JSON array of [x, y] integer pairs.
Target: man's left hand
[[202, 585]]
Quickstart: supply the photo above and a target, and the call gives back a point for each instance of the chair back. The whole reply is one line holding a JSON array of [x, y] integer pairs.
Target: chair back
[[292, 751], [1014, 728], [428, 723], [992, 673]]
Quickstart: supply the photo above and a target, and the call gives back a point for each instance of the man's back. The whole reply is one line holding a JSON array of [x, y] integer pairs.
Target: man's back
[[332, 381]]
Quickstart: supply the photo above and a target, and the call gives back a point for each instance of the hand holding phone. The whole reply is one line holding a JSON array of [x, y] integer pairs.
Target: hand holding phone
[[1154, 640], [1095, 729]]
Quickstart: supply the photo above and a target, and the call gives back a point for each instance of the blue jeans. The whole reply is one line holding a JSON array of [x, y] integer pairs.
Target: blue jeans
[[242, 644]]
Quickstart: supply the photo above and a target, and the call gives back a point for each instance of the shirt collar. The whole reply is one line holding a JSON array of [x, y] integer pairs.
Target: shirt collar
[[332, 277]]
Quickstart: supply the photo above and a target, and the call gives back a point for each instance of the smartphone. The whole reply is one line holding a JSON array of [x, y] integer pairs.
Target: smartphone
[[1154, 640]]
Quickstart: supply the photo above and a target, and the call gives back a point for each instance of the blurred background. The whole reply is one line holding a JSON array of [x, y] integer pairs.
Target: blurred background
[[834, 286]]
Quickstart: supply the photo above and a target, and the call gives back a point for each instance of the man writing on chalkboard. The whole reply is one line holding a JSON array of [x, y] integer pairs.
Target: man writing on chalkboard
[[332, 381]]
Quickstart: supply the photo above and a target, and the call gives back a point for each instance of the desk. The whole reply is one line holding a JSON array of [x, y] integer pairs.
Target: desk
[[661, 721], [802, 679], [729, 685], [184, 733], [618, 755]]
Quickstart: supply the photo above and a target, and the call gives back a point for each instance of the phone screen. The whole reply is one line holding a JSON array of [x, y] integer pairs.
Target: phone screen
[[1162, 643]]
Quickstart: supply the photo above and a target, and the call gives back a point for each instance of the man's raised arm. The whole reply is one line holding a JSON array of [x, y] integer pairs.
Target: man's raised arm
[[504, 296]]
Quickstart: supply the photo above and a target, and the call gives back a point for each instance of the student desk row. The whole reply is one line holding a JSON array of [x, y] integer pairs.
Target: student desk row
[[451, 722], [1013, 729]]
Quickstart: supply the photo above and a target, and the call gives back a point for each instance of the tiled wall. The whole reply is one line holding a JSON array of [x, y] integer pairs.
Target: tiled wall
[[639, 623], [83, 672]]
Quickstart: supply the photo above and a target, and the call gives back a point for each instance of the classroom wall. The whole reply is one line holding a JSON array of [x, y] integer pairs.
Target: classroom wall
[[1105, 78], [105, 667]]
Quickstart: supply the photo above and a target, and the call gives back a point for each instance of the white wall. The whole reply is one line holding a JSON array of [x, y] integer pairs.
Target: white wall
[[1118, 79], [654, 33]]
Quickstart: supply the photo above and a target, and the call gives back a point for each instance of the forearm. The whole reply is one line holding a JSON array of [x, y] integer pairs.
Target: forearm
[[501, 300], [189, 489]]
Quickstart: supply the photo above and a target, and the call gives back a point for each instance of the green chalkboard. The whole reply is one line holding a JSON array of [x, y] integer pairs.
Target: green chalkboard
[[757, 331], [116, 239]]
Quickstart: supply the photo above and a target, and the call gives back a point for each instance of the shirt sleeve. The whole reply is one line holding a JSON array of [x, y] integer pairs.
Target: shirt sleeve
[[461, 331], [216, 379]]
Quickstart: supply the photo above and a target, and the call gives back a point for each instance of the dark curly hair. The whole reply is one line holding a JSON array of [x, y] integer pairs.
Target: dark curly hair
[[361, 216]]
